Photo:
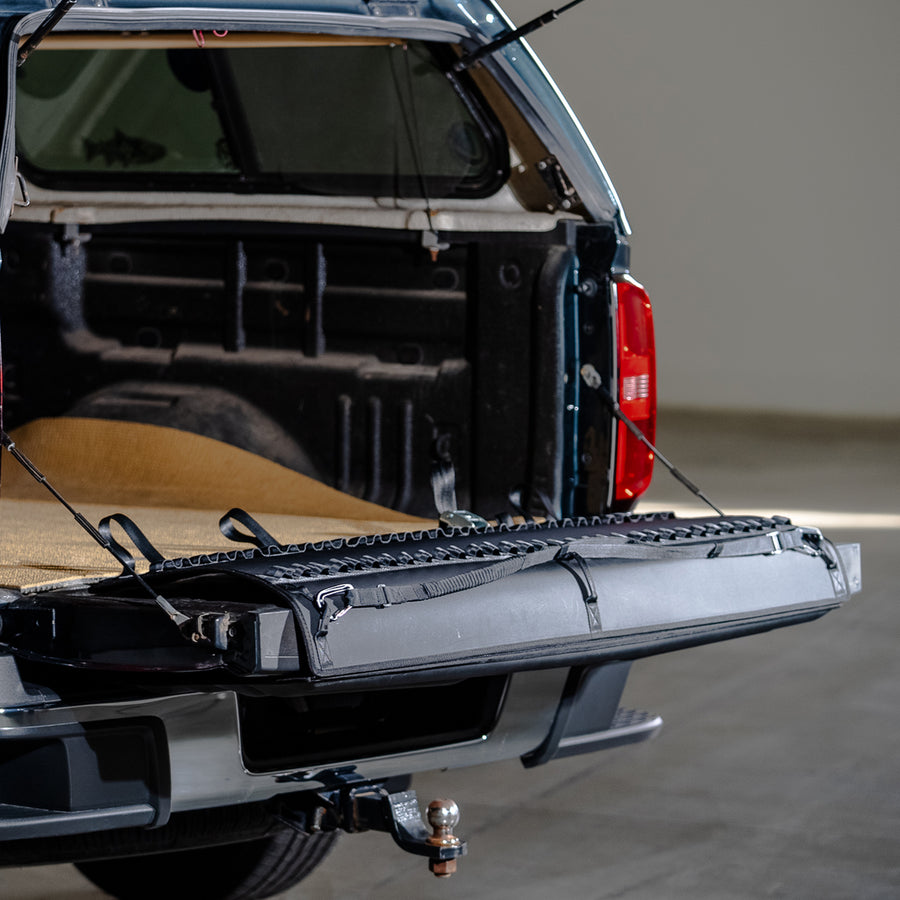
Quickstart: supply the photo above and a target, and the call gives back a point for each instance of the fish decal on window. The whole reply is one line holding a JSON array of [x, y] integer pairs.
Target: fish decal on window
[[123, 150]]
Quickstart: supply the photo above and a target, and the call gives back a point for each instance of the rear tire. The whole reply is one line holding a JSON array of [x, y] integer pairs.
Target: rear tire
[[250, 870]]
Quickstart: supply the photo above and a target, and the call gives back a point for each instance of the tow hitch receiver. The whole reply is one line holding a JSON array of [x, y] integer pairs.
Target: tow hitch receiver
[[371, 807]]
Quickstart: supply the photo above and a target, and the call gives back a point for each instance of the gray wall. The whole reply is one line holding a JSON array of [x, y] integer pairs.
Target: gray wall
[[756, 149]]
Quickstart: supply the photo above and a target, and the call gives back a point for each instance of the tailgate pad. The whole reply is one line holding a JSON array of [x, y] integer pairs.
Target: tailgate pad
[[618, 587], [452, 603]]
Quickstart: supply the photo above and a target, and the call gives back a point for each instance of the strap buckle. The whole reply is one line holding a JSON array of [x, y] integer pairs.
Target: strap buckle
[[326, 593]]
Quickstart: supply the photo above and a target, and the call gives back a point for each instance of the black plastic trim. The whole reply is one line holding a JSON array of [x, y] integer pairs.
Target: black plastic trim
[[83, 777], [589, 704]]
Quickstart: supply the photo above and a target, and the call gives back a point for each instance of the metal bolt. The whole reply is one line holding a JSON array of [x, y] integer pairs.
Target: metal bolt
[[443, 868], [588, 287]]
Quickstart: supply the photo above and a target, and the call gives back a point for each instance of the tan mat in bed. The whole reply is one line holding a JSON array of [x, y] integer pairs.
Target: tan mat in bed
[[174, 485]]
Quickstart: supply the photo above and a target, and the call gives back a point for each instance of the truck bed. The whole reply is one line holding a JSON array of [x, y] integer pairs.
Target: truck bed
[[175, 485]]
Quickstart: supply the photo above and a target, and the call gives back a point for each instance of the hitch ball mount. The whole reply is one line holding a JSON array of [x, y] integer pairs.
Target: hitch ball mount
[[399, 814], [371, 807]]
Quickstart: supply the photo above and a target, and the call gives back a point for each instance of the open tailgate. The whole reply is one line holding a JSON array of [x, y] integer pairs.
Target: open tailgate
[[447, 603]]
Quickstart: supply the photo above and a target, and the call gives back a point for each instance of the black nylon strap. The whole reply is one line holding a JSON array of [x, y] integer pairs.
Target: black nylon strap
[[613, 548], [258, 535], [387, 595], [135, 535], [581, 571], [624, 548], [443, 485]]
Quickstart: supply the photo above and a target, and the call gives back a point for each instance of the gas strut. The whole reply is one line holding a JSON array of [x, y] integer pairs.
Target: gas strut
[[111, 547], [593, 380], [43, 30], [540, 21]]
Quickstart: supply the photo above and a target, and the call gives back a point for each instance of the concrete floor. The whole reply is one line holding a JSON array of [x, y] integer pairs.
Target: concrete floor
[[777, 773]]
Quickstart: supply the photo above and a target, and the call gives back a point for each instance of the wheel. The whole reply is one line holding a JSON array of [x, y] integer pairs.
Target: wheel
[[247, 871]]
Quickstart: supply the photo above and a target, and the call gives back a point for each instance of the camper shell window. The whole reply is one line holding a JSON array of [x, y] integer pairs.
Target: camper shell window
[[359, 118]]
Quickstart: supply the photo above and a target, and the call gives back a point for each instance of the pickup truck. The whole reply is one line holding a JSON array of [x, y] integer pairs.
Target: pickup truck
[[322, 311]]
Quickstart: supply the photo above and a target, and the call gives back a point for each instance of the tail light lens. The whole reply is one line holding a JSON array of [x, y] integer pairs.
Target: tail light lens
[[636, 356]]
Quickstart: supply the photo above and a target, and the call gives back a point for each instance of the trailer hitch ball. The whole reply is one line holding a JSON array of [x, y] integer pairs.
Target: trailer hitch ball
[[443, 817]]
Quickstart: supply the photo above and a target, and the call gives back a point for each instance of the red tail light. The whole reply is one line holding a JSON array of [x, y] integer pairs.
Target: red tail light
[[636, 356]]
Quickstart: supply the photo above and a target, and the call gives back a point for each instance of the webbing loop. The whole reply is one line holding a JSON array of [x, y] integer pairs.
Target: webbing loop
[[135, 535], [258, 536]]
